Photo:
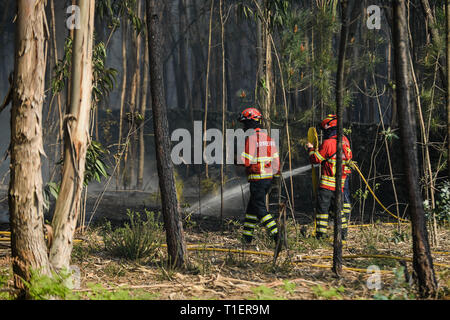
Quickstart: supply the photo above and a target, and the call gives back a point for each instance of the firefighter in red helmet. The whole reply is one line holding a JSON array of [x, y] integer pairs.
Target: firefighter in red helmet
[[326, 156], [262, 164]]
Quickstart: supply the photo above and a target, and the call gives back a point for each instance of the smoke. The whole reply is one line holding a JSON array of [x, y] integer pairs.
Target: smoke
[[235, 198]]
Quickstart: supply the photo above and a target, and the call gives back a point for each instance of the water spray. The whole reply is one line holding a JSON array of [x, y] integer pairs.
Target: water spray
[[243, 188]]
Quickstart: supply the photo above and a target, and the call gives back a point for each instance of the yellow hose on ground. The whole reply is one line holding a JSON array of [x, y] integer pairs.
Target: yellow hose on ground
[[354, 166], [9, 239], [313, 257], [382, 256], [262, 253], [270, 254], [209, 247], [344, 268], [371, 225]]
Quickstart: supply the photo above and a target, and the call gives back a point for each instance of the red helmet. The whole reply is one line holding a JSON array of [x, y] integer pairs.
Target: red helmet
[[250, 114], [330, 120]]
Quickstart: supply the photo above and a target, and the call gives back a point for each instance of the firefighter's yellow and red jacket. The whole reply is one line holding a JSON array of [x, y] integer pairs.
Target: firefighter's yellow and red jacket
[[260, 157], [326, 155]]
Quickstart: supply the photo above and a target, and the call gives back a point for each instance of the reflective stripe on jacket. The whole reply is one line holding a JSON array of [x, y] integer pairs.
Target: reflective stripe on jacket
[[260, 156]]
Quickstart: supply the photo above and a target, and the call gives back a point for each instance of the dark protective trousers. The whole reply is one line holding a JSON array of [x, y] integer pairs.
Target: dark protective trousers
[[257, 210], [325, 207]]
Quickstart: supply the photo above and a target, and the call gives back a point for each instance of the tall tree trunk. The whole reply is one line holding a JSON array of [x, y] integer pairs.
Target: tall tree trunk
[[76, 139], [69, 84], [140, 178], [259, 96], [134, 103], [340, 87], [183, 68], [172, 219], [224, 98], [422, 261], [184, 64], [207, 94], [435, 37], [269, 101], [25, 198], [58, 95], [120, 149], [393, 120]]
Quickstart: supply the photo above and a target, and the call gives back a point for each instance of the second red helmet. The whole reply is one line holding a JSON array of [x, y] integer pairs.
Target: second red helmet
[[330, 120], [250, 114]]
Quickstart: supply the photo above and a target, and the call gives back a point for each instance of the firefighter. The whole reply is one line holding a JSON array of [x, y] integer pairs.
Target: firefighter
[[326, 155], [262, 166]]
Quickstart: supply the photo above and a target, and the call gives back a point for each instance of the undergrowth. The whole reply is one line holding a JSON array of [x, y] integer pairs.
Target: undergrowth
[[58, 287], [139, 238]]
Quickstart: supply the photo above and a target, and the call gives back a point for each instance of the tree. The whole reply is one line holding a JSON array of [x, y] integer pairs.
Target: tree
[[435, 37], [25, 187], [76, 139], [224, 90], [122, 100], [141, 166], [207, 93], [422, 261], [340, 83], [176, 246]]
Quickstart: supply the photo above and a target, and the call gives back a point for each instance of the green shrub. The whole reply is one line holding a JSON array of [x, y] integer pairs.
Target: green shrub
[[442, 209], [4, 278], [330, 293], [44, 287], [98, 292], [137, 239], [265, 293]]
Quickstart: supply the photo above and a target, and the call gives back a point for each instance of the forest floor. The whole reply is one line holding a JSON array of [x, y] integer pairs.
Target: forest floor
[[302, 272]]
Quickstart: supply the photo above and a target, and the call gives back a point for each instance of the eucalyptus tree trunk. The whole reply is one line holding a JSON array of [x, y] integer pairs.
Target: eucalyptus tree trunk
[[422, 260], [25, 197], [340, 87], [176, 246], [141, 165], [207, 93], [120, 149], [58, 146], [76, 139], [130, 175]]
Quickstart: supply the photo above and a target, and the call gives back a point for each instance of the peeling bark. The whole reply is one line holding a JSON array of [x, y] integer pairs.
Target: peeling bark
[[25, 188], [76, 126]]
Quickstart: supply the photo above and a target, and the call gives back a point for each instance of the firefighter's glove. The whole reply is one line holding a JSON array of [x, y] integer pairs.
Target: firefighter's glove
[[352, 164]]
